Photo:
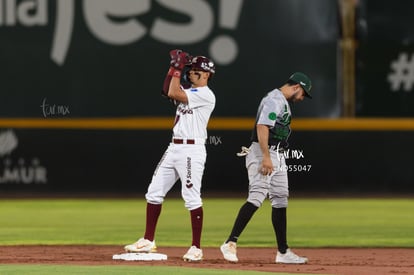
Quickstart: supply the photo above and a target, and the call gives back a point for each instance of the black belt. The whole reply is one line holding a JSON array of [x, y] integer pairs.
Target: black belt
[[183, 141]]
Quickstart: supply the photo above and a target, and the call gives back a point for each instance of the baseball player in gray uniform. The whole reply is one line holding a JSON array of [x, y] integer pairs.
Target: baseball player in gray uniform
[[185, 156], [266, 167]]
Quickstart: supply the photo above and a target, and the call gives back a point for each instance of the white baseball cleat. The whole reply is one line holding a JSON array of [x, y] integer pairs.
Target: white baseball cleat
[[142, 245], [229, 251], [193, 254], [290, 258]]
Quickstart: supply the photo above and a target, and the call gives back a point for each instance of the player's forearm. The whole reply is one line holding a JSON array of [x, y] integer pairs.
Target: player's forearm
[[166, 85], [263, 137], [175, 91]]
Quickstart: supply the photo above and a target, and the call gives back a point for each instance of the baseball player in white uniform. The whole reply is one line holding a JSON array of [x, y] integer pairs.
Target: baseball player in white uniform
[[266, 167], [185, 156]]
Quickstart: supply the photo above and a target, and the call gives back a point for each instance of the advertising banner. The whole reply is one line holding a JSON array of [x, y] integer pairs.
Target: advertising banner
[[385, 60], [107, 58]]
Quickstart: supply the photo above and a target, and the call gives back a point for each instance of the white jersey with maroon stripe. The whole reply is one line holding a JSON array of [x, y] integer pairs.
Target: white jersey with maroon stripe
[[192, 118]]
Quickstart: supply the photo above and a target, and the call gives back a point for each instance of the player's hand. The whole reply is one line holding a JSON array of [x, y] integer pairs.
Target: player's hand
[[179, 59], [267, 166], [175, 53]]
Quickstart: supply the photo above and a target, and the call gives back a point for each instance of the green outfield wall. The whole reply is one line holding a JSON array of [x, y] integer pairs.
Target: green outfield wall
[[80, 81]]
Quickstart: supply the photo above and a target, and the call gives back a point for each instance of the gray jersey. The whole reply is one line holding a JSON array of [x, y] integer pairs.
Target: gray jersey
[[274, 111]]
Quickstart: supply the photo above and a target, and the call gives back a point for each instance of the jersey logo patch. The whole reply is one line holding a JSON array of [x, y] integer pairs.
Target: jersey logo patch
[[272, 116], [194, 90]]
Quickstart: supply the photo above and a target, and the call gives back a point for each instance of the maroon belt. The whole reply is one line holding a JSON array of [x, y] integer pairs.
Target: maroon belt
[[183, 141]]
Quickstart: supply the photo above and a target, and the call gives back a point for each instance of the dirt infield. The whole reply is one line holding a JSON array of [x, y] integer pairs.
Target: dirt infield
[[321, 261]]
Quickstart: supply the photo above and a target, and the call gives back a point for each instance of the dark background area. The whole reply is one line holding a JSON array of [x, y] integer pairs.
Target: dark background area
[[124, 161], [102, 79]]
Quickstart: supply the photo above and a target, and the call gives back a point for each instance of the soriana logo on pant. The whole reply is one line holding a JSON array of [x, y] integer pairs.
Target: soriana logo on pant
[[18, 169]]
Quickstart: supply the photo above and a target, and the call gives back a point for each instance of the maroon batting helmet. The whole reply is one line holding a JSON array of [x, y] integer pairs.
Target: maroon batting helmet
[[203, 63]]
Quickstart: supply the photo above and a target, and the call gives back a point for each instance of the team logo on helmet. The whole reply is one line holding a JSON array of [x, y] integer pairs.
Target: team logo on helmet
[[203, 63]]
